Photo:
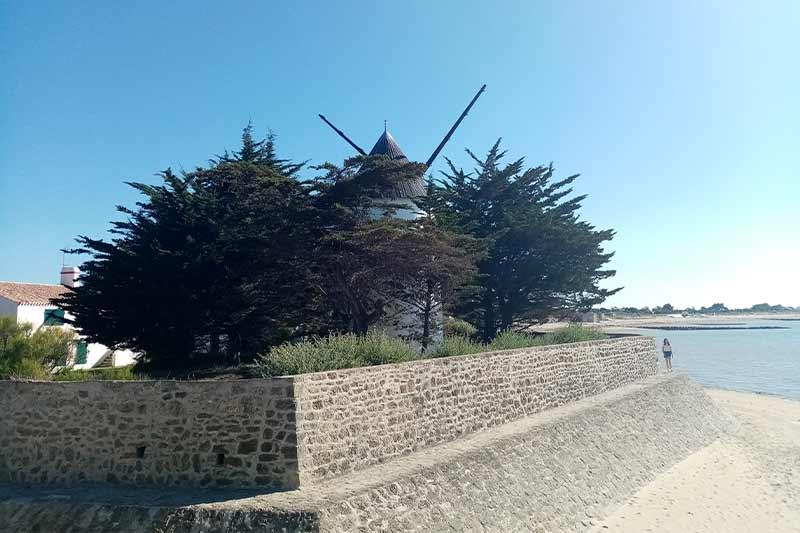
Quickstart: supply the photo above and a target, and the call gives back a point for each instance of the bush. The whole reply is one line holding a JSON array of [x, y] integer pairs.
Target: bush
[[32, 354], [122, 373], [510, 340], [336, 352], [333, 353], [456, 327], [571, 333], [458, 345]]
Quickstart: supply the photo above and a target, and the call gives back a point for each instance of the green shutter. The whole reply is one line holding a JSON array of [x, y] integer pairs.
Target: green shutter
[[80, 353], [53, 317]]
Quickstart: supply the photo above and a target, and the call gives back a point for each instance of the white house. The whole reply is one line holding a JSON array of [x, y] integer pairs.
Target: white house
[[33, 303]]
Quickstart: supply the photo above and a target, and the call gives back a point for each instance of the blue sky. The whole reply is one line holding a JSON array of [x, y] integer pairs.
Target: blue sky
[[682, 117]]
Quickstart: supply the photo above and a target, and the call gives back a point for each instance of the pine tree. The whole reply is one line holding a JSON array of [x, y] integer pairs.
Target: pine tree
[[542, 259], [367, 260], [205, 270]]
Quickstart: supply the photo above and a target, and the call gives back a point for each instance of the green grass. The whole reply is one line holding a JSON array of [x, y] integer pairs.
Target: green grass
[[571, 333], [458, 345], [120, 373], [457, 327], [510, 340], [333, 353]]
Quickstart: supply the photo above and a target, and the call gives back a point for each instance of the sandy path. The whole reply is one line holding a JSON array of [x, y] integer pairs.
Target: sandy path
[[749, 482]]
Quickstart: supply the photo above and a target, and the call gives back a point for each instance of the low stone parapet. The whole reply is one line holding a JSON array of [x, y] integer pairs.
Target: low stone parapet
[[554, 471], [294, 431]]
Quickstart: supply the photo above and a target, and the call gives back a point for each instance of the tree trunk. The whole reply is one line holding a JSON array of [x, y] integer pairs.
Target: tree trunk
[[506, 315], [426, 317], [489, 320]]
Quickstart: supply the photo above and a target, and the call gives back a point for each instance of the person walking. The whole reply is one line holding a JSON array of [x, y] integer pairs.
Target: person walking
[[667, 349]]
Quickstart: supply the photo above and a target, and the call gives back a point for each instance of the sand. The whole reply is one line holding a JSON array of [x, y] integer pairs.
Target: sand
[[749, 482]]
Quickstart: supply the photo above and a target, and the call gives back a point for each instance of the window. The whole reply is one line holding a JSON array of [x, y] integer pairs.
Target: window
[[80, 353], [53, 317]]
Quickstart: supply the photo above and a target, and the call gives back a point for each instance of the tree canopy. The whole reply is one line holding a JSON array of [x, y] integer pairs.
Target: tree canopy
[[215, 265], [205, 268], [542, 259]]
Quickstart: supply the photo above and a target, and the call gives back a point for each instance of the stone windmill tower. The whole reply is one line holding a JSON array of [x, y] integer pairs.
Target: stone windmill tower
[[400, 202]]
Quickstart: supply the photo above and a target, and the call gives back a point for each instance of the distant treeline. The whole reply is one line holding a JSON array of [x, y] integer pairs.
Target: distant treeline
[[668, 309]]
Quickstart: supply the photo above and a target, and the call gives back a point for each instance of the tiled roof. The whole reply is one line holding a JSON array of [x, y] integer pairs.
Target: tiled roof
[[30, 293]]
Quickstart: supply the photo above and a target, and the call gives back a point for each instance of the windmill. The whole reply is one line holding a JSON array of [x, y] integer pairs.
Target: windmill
[[401, 319], [387, 146]]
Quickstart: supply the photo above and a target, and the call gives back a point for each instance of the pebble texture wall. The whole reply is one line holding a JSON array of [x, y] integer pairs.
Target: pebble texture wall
[[355, 418], [552, 472], [149, 433], [547, 473], [292, 431]]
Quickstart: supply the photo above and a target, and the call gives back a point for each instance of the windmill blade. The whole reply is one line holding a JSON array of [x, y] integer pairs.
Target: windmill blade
[[343, 136], [433, 156]]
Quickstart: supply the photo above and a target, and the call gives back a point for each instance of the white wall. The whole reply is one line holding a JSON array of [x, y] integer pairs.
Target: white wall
[[124, 357], [32, 314]]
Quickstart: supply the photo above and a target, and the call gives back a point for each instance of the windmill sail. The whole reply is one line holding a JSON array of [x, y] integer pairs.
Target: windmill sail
[[435, 153], [342, 135]]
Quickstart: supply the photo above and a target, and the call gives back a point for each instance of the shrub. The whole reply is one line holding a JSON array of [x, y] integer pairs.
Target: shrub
[[122, 373], [335, 352], [457, 327], [458, 345], [571, 333], [32, 354], [349, 351], [510, 339]]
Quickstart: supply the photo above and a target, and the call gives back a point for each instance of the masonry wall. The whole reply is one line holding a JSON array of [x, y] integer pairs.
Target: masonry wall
[[292, 431], [557, 471], [350, 419], [149, 433]]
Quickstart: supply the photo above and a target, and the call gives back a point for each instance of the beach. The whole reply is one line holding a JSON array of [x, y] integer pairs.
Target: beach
[[749, 481]]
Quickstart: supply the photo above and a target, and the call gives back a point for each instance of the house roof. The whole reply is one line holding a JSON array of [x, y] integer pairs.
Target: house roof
[[30, 293]]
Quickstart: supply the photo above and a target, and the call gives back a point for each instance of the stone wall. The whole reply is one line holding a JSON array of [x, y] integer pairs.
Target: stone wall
[[350, 419], [170, 433], [287, 432], [553, 472]]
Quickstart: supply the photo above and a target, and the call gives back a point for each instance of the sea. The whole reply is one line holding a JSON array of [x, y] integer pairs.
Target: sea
[[765, 361]]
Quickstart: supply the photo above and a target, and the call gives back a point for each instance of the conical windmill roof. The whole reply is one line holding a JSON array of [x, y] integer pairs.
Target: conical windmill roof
[[413, 188], [386, 145]]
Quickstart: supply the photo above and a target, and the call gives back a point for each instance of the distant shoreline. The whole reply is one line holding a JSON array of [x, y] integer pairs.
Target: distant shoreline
[[706, 327], [672, 322]]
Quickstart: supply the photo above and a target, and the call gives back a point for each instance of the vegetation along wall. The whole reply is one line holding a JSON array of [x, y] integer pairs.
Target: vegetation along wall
[[290, 431]]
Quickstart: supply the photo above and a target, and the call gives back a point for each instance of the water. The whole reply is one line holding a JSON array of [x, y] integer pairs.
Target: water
[[765, 361]]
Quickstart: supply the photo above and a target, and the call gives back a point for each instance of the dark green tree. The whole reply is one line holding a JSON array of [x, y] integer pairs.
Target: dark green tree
[[664, 309], [542, 260], [378, 247], [205, 270], [718, 307]]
